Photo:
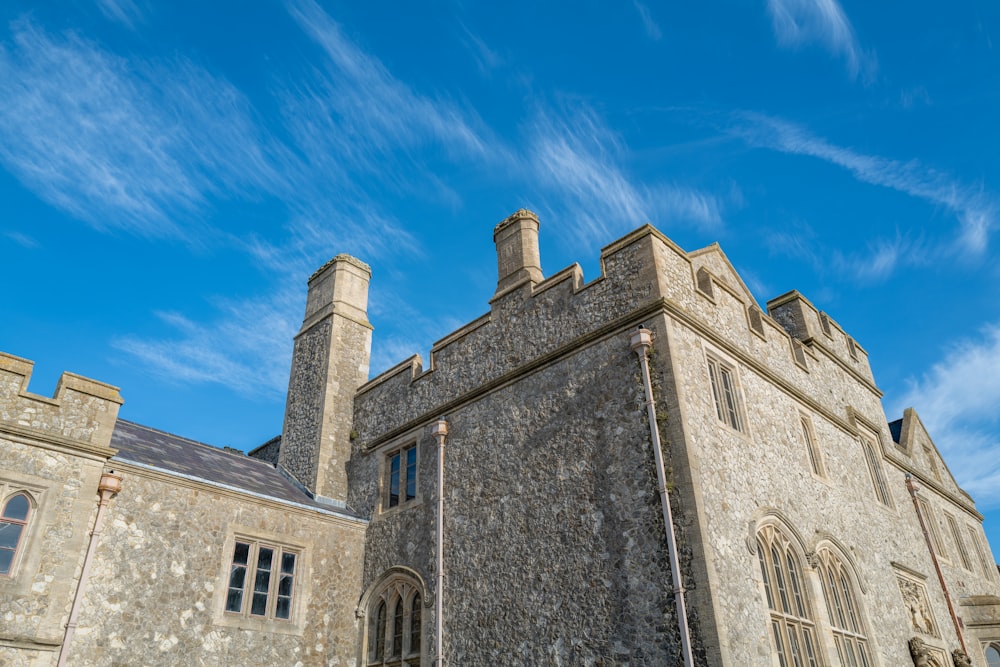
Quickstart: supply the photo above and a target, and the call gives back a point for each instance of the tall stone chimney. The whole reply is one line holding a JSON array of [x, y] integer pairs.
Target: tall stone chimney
[[329, 363], [518, 261]]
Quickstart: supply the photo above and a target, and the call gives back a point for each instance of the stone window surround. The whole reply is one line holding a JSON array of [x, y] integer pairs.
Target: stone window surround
[[715, 364], [830, 561], [405, 584], [933, 528], [813, 451], [295, 624], [384, 455], [803, 625], [995, 645], [871, 450], [25, 563], [964, 559], [807, 553]]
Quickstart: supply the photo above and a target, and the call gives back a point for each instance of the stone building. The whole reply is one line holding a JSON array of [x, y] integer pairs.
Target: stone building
[[646, 469]]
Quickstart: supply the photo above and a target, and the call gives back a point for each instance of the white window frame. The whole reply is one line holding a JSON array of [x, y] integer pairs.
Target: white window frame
[[727, 397]]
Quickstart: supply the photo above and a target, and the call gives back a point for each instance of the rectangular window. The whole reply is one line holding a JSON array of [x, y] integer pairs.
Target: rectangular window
[[726, 393], [989, 569], [875, 469], [815, 460], [401, 476], [932, 526], [956, 536], [254, 563]]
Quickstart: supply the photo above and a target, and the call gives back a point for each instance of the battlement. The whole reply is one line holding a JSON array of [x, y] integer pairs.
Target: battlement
[[80, 416], [535, 320]]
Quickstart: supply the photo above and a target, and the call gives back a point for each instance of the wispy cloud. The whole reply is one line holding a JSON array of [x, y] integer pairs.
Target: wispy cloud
[[126, 12], [374, 113], [22, 240], [802, 22], [974, 208], [133, 145], [956, 399], [487, 59], [652, 29], [578, 159]]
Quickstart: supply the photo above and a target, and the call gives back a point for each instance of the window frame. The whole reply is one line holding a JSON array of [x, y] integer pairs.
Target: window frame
[[840, 593], [964, 559], [407, 475], [273, 592], [300, 588], [733, 413], [930, 519], [871, 449], [815, 456], [25, 525], [795, 637], [995, 647], [389, 626]]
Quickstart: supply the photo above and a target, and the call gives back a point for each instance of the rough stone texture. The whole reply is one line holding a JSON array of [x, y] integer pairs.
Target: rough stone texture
[[555, 549], [329, 363], [164, 555]]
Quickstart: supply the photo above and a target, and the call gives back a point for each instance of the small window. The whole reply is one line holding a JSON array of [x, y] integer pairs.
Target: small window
[[875, 470], [815, 461], [261, 581], [726, 393], [956, 536], [401, 476], [932, 526], [989, 569], [992, 656], [13, 526]]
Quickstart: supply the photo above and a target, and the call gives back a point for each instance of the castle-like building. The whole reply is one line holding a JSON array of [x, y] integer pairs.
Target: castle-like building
[[646, 469]]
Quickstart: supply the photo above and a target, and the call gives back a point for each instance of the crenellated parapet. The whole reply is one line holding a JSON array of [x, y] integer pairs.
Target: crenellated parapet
[[79, 417], [814, 328], [535, 320]]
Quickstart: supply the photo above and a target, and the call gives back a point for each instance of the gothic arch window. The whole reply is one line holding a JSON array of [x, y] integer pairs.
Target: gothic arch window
[[793, 632], [395, 624], [14, 518], [845, 615], [993, 655], [875, 469]]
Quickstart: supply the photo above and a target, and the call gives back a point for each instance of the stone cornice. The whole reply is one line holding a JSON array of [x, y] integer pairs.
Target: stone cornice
[[55, 442]]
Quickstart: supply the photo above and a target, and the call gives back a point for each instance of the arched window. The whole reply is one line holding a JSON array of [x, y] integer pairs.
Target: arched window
[[377, 634], [13, 526], [395, 629], [793, 633], [845, 615], [993, 656]]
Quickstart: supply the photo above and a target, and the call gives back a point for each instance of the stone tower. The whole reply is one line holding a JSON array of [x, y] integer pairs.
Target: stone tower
[[329, 362], [518, 261]]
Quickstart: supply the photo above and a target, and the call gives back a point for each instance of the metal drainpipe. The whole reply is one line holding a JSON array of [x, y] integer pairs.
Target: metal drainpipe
[[641, 341], [439, 430], [912, 488], [109, 486]]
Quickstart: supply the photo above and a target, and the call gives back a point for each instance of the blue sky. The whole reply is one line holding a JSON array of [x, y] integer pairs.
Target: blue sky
[[172, 172]]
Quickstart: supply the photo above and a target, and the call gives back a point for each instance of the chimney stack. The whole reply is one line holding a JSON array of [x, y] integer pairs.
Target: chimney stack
[[518, 261], [329, 363]]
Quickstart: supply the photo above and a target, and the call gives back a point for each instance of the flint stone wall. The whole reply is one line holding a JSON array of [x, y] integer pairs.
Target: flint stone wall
[[161, 568]]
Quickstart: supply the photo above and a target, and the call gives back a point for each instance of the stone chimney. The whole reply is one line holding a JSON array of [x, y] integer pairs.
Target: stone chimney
[[518, 261], [329, 363]]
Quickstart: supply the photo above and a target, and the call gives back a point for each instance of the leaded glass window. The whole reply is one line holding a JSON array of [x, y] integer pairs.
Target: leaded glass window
[[793, 632], [845, 615]]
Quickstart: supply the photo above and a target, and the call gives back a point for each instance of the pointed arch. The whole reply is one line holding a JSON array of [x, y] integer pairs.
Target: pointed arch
[[393, 606], [792, 621], [844, 609]]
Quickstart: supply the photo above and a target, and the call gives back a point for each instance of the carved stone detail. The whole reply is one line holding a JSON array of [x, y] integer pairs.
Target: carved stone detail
[[959, 657], [919, 652], [918, 608]]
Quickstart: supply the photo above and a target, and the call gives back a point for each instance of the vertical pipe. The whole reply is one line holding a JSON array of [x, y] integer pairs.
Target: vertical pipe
[[440, 431], [912, 488], [109, 486], [641, 342]]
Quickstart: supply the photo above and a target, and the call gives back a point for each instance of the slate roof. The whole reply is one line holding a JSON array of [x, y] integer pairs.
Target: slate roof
[[896, 430], [148, 446]]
